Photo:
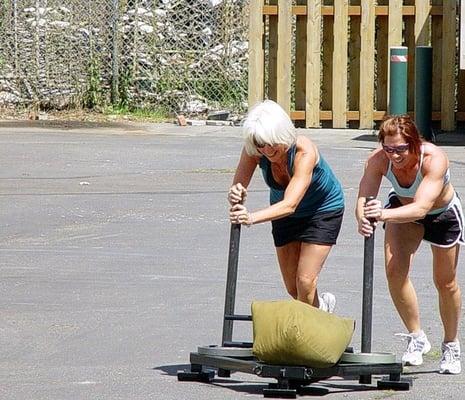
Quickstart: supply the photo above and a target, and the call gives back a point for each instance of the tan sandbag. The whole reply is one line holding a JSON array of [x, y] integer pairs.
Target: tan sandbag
[[290, 332]]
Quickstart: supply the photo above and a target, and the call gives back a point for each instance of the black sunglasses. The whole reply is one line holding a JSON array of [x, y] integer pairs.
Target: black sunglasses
[[402, 148]]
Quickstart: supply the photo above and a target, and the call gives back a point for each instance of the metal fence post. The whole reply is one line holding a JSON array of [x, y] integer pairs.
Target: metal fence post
[[423, 90], [398, 81], [115, 54]]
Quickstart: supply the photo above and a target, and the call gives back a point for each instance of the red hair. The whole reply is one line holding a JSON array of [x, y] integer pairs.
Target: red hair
[[404, 126]]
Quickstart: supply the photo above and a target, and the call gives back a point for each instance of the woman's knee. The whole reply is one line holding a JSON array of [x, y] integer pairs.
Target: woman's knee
[[446, 285], [306, 282], [396, 274]]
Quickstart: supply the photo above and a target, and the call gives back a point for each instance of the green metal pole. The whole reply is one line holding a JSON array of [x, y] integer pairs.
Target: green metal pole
[[398, 80], [423, 90]]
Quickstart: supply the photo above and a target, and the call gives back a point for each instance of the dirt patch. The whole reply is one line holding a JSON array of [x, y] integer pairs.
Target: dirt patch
[[67, 119]]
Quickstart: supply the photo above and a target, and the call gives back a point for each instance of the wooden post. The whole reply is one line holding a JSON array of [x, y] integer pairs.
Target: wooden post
[[382, 63], [395, 23], [284, 54], [422, 36], [355, 60], [409, 40], [300, 69], [328, 49], [448, 65], [256, 54], [461, 94], [395, 28], [462, 34], [313, 75], [341, 17], [436, 43], [273, 54], [422, 10], [367, 64]]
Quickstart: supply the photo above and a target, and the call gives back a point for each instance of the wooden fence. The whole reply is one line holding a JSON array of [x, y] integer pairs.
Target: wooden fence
[[462, 35], [327, 61]]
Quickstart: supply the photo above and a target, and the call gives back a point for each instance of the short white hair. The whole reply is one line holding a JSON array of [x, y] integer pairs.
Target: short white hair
[[267, 123]]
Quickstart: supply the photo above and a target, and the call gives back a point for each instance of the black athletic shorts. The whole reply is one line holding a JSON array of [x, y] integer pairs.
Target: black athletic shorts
[[321, 228], [444, 229]]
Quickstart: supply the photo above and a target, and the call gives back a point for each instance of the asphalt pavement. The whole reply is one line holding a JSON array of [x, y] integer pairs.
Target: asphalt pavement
[[113, 257]]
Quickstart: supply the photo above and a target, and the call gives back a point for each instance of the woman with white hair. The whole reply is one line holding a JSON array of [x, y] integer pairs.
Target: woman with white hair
[[306, 199]]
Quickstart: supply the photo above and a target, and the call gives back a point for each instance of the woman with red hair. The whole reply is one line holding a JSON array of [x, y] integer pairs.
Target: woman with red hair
[[422, 205]]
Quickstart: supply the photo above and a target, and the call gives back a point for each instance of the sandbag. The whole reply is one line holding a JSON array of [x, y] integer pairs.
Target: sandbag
[[291, 332]]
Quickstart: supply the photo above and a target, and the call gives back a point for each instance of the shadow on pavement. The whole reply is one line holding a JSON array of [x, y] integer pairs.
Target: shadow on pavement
[[412, 373], [367, 138], [173, 369], [321, 388], [442, 139]]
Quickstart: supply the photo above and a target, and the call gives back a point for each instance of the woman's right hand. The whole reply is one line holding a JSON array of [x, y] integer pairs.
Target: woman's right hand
[[365, 227], [237, 194]]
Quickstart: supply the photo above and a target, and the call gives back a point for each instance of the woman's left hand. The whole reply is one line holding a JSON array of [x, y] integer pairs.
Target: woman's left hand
[[238, 214], [373, 210]]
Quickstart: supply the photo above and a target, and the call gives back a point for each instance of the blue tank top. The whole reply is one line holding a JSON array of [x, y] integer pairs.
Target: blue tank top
[[324, 193]]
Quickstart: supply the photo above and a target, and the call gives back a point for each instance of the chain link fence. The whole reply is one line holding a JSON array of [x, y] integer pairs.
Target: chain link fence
[[176, 55]]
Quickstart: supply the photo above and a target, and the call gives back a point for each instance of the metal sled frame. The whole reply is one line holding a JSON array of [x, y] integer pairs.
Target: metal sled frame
[[292, 380]]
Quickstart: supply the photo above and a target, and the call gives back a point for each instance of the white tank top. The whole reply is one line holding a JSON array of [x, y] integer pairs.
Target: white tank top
[[412, 189]]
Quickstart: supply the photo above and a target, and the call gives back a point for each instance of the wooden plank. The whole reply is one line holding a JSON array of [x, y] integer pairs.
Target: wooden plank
[[312, 105], [462, 34], [461, 91], [354, 62], [327, 115], [406, 10], [448, 65], [327, 10], [461, 72], [382, 63], [436, 44], [327, 67], [273, 55], [256, 54], [409, 41], [284, 54], [367, 64], [422, 29], [340, 63], [300, 70], [395, 23], [395, 31], [299, 9], [436, 10]]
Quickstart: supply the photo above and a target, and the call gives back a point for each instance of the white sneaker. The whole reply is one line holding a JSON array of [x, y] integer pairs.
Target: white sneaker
[[327, 302], [450, 360], [418, 345]]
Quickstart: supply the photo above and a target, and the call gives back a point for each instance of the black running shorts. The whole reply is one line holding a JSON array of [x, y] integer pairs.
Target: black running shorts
[[444, 229], [321, 228]]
